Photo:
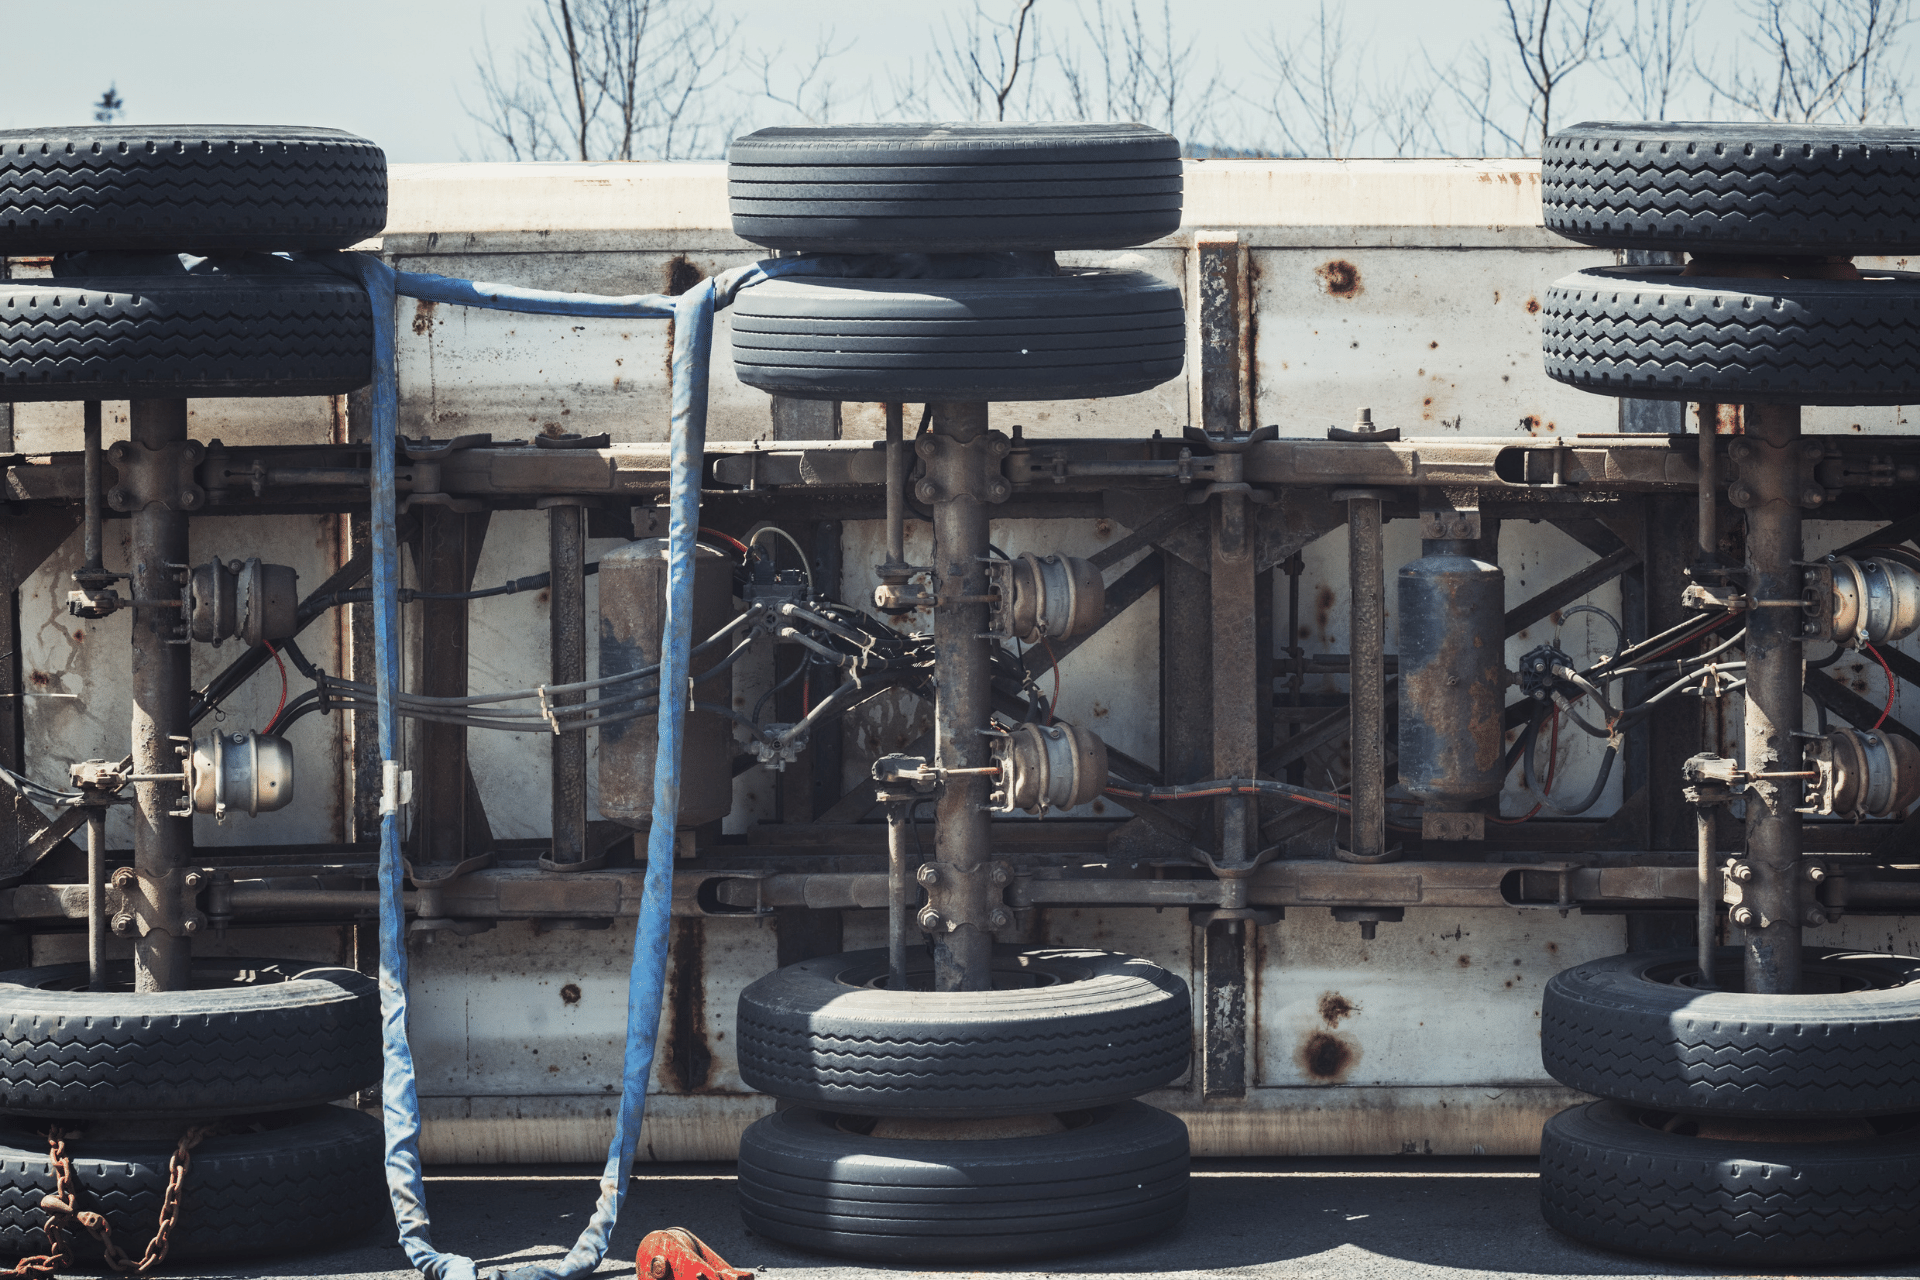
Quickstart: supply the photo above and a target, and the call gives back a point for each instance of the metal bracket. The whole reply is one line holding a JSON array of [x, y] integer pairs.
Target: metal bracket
[[426, 456], [1461, 525], [431, 884], [948, 889], [1453, 826], [137, 902], [164, 476]]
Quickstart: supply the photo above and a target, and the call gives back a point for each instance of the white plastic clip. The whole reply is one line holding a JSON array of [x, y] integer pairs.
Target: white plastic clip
[[546, 709], [389, 787]]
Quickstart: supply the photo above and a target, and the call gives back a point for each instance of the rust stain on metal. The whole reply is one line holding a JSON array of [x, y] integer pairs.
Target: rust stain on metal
[[1465, 961], [1327, 1057], [1334, 1007], [682, 275], [1533, 306], [1339, 278], [688, 1060], [570, 994], [423, 317]]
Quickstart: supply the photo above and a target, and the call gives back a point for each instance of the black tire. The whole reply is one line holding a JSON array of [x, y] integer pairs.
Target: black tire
[[1735, 188], [951, 188], [1118, 1176], [311, 1180], [1067, 337], [161, 337], [1102, 1028], [1652, 333], [254, 1035], [1621, 1028], [1609, 1177], [188, 188]]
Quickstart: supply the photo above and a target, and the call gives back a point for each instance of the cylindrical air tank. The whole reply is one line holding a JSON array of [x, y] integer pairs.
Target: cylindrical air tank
[[1452, 675], [633, 605]]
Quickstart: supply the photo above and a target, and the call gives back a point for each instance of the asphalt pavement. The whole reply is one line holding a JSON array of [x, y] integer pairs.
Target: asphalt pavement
[[1410, 1219]]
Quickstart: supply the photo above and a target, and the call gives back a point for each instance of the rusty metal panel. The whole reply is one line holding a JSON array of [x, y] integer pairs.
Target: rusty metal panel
[[518, 1012], [1445, 997]]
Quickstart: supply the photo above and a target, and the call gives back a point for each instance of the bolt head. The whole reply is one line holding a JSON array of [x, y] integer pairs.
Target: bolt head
[[1815, 917], [1740, 871], [927, 874], [191, 926], [119, 499], [927, 491], [999, 919], [122, 878], [1813, 497], [657, 1268], [1816, 873], [1743, 915], [123, 924], [930, 920], [194, 879]]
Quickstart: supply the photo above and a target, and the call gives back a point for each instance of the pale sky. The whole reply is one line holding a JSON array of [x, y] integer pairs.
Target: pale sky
[[397, 71]]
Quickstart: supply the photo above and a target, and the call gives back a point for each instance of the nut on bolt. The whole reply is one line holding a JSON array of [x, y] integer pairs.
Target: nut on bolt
[[1816, 872], [194, 880], [999, 919], [928, 874], [123, 878], [1742, 916], [123, 924], [1739, 871], [931, 921]]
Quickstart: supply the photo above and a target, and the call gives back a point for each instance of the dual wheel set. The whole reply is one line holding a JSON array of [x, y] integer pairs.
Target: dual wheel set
[[995, 1122], [1738, 1127], [166, 284]]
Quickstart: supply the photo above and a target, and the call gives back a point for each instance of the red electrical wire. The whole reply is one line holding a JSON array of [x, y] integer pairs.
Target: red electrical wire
[[274, 718], [725, 537], [1553, 760], [1893, 686]]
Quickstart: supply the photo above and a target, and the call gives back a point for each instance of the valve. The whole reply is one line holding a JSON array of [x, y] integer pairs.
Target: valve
[[248, 771], [1538, 678], [1057, 766], [1862, 775], [1875, 599]]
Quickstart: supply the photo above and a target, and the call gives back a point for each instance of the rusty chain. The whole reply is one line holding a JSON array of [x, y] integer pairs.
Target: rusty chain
[[60, 1206]]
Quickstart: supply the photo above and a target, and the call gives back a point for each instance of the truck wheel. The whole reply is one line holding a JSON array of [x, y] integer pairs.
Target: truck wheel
[[1067, 337], [954, 188], [1652, 333], [303, 1181], [1735, 188], [165, 337], [816, 1180], [1645, 1182], [1062, 1030], [1627, 1027], [252, 1035], [193, 188]]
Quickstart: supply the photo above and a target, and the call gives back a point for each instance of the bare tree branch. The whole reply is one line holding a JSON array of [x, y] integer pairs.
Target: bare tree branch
[[1820, 60], [616, 79], [1551, 48], [1653, 56]]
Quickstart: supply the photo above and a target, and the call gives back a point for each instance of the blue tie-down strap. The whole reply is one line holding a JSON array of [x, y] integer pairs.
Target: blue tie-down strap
[[692, 313]]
